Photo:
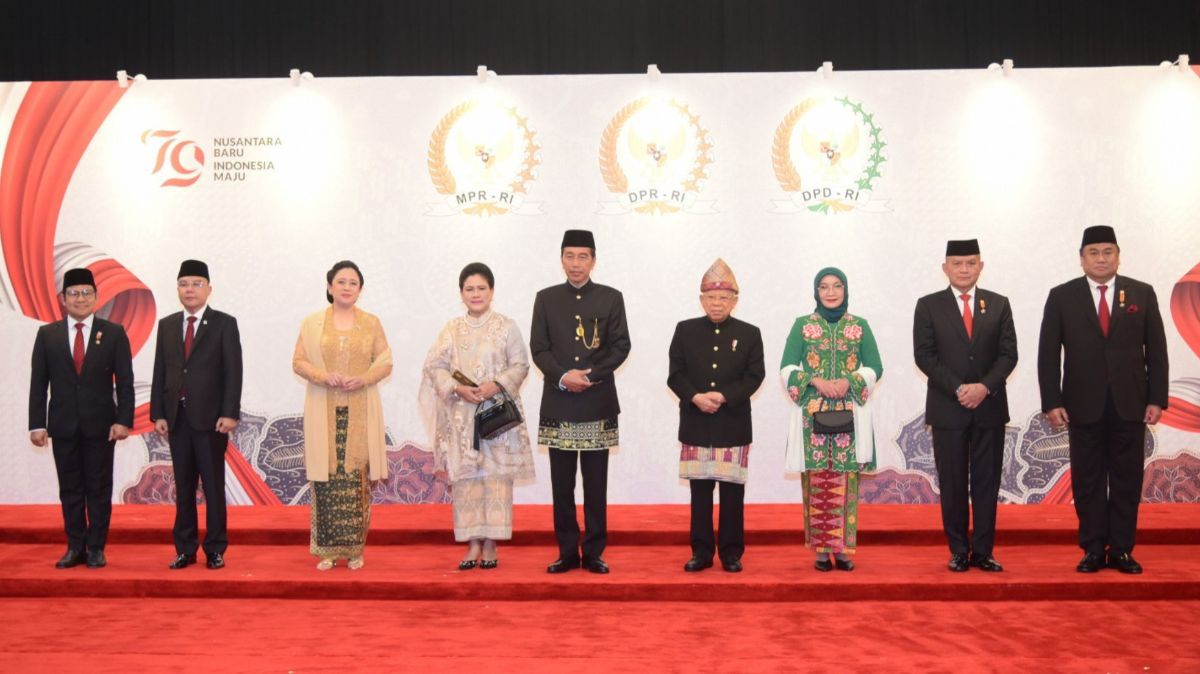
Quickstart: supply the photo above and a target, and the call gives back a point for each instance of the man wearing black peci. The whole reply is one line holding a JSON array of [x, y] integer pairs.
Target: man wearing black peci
[[195, 401], [1102, 367], [965, 342], [578, 340], [79, 358], [716, 364]]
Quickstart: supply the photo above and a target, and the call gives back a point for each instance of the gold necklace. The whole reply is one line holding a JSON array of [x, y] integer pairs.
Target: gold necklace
[[579, 332]]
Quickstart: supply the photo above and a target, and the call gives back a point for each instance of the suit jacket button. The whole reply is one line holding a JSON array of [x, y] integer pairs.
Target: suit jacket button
[[715, 348], [714, 366], [579, 297]]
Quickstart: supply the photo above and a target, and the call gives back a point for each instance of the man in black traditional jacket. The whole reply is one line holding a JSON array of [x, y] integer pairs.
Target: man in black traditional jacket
[[716, 365], [578, 340]]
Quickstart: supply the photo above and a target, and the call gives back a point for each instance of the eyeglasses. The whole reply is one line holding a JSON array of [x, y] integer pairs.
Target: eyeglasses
[[196, 285], [79, 294], [718, 299]]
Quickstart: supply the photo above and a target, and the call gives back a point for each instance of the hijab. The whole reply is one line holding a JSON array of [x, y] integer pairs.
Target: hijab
[[835, 314]]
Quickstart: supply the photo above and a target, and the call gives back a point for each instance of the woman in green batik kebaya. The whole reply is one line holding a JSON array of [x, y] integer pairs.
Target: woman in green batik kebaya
[[830, 362]]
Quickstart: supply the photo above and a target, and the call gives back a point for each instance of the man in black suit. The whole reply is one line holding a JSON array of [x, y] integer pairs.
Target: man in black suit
[[578, 340], [716, 364], [965, 343], [78, 359], [1113, 382], [195, 400]]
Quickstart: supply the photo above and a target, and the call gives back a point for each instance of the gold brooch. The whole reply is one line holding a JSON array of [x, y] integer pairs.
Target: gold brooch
[[1121, 298], [594, 343], [98, 336], [982, 306]]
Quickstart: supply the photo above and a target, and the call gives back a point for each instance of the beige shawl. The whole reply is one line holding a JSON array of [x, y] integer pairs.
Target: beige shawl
[[316, 424]]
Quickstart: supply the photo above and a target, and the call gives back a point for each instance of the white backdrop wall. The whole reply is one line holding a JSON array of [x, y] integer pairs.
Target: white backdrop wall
[[1022, 162]]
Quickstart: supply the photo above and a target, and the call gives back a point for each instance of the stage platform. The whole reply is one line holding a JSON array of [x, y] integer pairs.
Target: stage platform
[[411, 555], [410, 609]]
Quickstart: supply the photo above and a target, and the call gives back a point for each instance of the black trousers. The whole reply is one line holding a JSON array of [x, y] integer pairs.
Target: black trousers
[[594, 466], [1107, 467], [198, 455], [731, 541], [85, 485], [969, 464]]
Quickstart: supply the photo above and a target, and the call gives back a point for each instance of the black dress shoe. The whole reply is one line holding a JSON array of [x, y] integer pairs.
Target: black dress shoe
[[487, 564], [1123, 562], [214, 561], [843, 564], [69, 559], [697, 564], [823, 565], [595, 565], [561, 565], [95, 558], [958, 563], [732, 565], [1091, 563], [182, 561], [986, 563]]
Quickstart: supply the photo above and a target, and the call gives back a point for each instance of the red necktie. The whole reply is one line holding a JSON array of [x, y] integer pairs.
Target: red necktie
[[77, 351], [189, 337], [1103, 311], [968, 320]]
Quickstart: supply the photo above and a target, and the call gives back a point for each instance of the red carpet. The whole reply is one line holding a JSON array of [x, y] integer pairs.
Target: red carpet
[[270, 635], [901, 611]]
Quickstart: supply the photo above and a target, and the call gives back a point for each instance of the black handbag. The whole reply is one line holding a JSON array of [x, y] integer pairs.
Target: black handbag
[[497, 417], [833, 422]]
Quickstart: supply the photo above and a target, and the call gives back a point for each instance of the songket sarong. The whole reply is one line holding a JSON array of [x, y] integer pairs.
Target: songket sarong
[[341, 506], [483, 508], [725, 464], [830, 511], [579, 435]]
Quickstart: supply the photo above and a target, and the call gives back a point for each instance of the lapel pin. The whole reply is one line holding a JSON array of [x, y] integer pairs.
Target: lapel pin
[[1121, 298], [735, 345], [982, 306], [98, 336]]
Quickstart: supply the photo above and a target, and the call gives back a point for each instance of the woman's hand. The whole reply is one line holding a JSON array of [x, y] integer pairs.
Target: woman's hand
[[469, 394], [487, 390], [352, 384], [334, 380], [840, 388], [825, 388]]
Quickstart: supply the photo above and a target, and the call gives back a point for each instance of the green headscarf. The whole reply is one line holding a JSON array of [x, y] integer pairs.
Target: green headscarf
[[835, 314]]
